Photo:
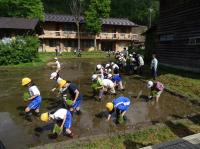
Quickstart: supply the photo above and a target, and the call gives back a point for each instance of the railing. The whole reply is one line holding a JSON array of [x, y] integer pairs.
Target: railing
[[83, 35]]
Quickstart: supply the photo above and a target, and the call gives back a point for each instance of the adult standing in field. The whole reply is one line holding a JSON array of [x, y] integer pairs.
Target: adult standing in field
[[58, 66], [57, 49], [140, 64], [154, 66]]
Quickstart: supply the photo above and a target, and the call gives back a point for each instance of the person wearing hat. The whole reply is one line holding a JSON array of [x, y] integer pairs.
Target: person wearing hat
[[35, 98], [108, 86], [97, 85], [120, 105], [156, 89], [61, 114], [75, 95], [55, 76], [100, 71], [58, 66]]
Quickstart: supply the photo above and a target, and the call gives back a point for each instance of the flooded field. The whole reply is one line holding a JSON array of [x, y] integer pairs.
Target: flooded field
[[15, 131]]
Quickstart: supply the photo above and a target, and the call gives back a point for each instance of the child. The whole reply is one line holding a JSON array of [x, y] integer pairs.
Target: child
[[55, 76], [35, 98], [156, 89], [75, 95], [120, 105], [61, 114]]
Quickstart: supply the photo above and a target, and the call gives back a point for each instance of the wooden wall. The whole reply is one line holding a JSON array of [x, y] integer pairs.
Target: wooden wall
[[178, 28]]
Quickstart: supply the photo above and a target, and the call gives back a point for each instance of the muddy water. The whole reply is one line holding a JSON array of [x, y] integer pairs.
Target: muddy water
[[15, 131]]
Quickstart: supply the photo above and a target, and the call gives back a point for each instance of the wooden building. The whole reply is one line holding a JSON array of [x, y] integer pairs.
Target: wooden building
[[10, 27], [61, 30], [178, 34]]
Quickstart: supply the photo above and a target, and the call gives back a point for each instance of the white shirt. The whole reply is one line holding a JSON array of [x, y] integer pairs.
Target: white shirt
[[58, 64], [33, 90], [108, 83], [115, 66], [154, 63], [59, 114], [141, 61], [59, 79]]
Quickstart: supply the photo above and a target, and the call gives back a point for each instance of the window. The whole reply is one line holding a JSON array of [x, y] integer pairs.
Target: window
[[194, 41], [167, 37], [53, 43]]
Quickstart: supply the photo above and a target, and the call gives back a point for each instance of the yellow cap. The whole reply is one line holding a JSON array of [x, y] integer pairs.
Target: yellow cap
[[44, 117], [25, 81], [109, 106], [62, 83]]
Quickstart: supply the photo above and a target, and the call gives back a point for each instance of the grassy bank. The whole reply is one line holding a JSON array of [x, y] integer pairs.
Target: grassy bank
[[45, 57], [181, 82], [144, 137], [133, 140]]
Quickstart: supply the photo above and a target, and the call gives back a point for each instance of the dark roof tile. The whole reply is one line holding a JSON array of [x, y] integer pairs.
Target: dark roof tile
[[69, 18], [17, 23]]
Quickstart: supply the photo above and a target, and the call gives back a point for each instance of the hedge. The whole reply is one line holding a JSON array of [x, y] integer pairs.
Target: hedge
[[19, 50]]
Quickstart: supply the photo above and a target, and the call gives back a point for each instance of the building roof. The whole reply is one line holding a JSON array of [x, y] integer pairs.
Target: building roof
[[18, 23], [69, 18], [59, 18], [118, 21]]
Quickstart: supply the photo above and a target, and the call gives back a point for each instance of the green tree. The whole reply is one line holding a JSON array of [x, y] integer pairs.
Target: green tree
[[22, 8], [97, 9]]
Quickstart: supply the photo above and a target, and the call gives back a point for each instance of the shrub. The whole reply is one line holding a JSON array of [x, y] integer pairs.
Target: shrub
[[19, 50]]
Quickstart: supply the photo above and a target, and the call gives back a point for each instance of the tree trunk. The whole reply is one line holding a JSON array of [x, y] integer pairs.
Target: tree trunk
[[95, 43], [79, 42]]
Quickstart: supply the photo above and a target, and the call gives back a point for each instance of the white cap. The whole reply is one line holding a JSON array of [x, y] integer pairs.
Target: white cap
[[112, 63], [109, 70], [109, 75], [94, 77], [99, 66], [55, 58], [53, 75], [149, 84], [107, 65], [131, 55]]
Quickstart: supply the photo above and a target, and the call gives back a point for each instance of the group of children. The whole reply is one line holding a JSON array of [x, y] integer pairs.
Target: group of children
[[105, 79]]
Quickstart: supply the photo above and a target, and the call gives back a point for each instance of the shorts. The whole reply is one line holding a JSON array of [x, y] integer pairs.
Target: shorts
[[117, 78], [77, 103], [68, 121], [35, 103]]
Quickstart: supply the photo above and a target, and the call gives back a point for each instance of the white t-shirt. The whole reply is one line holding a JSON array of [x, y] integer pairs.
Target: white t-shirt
[[59, 79], [33, 90], [115, 66], [108, 83], [59, 114], [154, 63], [141, 61], [58, 64]]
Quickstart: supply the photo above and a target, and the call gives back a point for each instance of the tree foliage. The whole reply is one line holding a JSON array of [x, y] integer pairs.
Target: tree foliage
[[135, 10], [22, 8], [97, 9], [19, 50]]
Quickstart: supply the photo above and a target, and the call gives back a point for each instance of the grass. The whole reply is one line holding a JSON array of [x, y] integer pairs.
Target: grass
[[184, 83], [143, 137], [45, 57], [181, 82]]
